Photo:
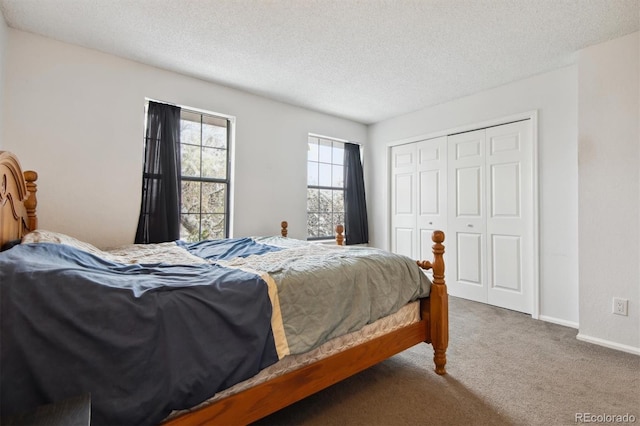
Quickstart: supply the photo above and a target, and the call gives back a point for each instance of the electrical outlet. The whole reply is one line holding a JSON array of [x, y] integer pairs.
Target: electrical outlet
[[620, 306]]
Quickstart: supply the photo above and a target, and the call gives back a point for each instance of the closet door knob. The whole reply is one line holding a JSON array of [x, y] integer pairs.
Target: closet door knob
[[430, 223], [469, 225]]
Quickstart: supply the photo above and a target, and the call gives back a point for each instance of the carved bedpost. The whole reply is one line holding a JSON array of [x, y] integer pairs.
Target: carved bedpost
[[439, 305], [339, 236], [31, 202], [283, 228]]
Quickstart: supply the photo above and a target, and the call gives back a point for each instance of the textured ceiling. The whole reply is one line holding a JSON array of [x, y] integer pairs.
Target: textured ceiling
[[366, 60]]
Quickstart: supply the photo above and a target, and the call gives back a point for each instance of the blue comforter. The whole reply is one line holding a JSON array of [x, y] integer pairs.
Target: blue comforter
[[227, 249], [142, 339]]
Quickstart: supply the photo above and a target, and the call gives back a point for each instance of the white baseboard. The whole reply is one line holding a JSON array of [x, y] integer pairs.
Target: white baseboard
[[608, 344], [559, 321]]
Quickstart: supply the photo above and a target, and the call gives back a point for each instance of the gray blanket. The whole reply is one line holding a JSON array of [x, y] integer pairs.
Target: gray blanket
[[328, 291]]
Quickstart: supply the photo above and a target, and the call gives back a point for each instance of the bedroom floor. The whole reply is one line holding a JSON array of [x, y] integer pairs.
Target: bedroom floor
[[534, 373]]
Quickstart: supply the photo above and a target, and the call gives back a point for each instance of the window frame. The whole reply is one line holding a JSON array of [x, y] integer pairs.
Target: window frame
[[318, 140], [226, 181]]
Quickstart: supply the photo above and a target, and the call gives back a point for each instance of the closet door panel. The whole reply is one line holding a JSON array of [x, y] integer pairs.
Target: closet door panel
[[467, 217], [506, 190], [510, 216], [506, 263], [403, 200], [432, 192], [469, 255], [468, 192], [404, 238]]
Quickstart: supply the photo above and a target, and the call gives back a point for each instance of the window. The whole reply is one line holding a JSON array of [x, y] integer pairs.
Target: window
[[325, 187], [204, 151]]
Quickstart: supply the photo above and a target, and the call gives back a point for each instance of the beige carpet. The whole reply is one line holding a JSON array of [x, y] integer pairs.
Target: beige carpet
[[503, 369]]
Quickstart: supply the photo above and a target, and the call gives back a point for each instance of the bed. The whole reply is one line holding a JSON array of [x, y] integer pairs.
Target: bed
[[311, 363]]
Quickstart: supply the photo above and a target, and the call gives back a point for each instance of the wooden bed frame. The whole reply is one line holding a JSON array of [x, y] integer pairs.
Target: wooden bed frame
[[18, 216]]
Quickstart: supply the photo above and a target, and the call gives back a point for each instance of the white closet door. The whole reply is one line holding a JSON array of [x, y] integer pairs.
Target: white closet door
[[466, 268], [478, 187], [510, 230], [403, 200], [431, 178]]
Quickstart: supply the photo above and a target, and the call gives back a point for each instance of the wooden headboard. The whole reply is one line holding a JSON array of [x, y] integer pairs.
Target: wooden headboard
[[17, 199]]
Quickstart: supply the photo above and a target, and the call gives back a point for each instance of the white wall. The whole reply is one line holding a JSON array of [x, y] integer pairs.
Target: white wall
[[3, 48], [554, 96], [76, 116], [609, 164]]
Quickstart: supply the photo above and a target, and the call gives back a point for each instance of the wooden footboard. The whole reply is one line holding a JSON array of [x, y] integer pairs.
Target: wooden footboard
[[436, 307]]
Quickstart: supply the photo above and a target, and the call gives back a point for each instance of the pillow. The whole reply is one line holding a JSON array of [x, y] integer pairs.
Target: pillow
[[43, 236]]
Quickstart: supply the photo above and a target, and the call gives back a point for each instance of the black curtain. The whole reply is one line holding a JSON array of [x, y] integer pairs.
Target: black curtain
[[160, 210], [356, 226]]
